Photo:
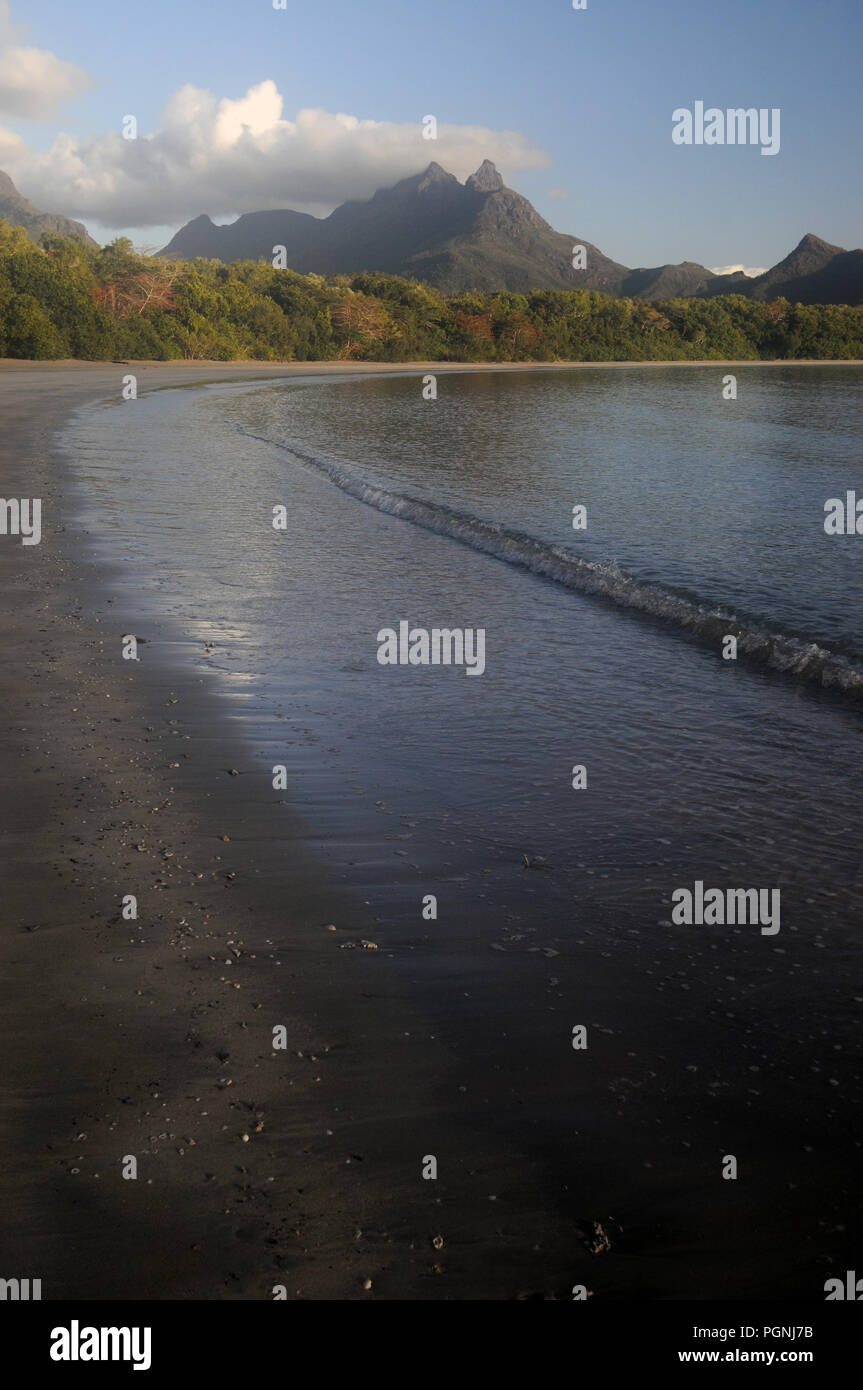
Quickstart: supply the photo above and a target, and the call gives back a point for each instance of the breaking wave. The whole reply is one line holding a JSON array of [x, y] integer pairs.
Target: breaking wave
[[802, 660]]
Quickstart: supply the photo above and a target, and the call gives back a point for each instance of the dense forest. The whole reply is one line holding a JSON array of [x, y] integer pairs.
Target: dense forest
[[63, 298]]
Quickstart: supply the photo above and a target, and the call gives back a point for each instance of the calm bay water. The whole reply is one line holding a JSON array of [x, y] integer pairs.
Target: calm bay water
[[719, 502], [695, 506]]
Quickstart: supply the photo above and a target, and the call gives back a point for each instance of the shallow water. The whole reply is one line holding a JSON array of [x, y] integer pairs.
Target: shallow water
[[749, 768], [718, 503]]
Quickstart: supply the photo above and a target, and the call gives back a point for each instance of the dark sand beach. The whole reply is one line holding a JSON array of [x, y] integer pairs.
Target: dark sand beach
[[302, 1167], [149, 1042]]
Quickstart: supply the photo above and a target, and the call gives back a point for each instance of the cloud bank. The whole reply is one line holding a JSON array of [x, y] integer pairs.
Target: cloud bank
[[230, 156], [750, 270], [34, 83]]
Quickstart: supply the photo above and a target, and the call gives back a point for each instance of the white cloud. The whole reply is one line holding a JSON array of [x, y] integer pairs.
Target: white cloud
[[34, 83], [231, 156], [750, 270], [559, 194]]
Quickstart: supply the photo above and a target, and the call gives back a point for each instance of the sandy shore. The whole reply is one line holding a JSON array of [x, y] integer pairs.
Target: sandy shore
[[214, 371], [153, 1038]]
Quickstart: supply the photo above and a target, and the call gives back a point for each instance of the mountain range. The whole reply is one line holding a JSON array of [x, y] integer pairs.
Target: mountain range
[[482, 235], [476, 235], [813, 273]]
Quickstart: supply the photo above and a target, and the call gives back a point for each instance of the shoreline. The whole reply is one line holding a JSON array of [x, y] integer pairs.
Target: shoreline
[[330, 367], [127, 1038], [153, 1039]]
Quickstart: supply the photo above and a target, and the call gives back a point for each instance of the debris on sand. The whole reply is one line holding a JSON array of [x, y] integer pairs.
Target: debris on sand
[[596, 1236]]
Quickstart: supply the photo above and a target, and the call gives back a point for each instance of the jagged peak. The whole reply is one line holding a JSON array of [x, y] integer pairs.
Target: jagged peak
[[486, 179], [811, 242], [433, 176], [808, 247]]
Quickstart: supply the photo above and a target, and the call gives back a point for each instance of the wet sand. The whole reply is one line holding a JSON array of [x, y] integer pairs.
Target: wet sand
[[153, 1038]]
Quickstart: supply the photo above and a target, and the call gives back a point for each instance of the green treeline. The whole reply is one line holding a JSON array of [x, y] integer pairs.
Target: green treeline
[[65, 299]]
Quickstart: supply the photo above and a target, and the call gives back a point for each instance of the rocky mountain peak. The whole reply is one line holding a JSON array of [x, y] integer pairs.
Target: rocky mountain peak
[[486, 179]]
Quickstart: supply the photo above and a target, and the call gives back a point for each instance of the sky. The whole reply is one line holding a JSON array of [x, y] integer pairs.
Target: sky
[[242, 106]]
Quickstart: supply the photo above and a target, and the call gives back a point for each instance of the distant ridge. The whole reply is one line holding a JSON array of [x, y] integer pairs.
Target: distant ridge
[[478, 235], [481, 235], [20, 212], [813, 273]]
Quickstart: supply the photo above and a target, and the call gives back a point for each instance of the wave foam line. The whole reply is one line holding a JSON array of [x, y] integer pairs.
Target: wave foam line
[[802, 660]]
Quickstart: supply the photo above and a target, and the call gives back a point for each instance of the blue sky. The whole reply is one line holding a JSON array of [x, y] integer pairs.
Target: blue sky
[[575, 103]]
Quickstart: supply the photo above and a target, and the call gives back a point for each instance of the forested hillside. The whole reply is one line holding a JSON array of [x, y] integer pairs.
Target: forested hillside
[[64, 298]]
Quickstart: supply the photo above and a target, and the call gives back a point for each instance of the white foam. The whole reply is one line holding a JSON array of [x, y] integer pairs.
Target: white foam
[[807, 661]]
